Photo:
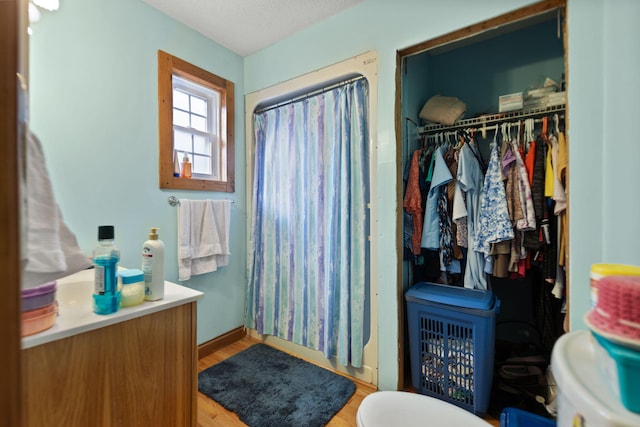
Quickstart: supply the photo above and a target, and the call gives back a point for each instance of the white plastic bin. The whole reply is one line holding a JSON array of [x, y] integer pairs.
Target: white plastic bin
[[584, 396]]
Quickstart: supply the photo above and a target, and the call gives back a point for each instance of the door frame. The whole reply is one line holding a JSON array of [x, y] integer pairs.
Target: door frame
[[12, 61]]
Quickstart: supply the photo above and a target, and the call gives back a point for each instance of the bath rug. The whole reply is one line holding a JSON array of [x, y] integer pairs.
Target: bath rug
[[266, 387]]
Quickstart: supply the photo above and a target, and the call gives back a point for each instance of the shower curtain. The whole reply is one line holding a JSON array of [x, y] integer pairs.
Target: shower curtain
[[308, 237]]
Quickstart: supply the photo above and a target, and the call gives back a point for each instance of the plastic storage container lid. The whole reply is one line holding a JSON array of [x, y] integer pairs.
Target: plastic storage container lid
[[131, 275], [615, 269], [47, 288], [451, 295], [580, 382]]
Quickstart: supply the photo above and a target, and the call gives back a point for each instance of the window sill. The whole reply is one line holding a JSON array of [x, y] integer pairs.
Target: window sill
[[177, 183]]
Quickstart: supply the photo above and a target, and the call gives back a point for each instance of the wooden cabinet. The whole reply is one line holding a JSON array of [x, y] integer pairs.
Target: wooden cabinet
[[140, 372]]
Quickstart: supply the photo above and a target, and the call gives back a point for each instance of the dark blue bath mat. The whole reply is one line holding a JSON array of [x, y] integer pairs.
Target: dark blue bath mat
[[268, 388]]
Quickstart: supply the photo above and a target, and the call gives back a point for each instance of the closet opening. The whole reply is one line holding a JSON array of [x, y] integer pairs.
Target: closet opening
[[506, 76]]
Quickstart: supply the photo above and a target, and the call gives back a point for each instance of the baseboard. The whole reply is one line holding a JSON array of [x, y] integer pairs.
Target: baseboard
[[217, 343]]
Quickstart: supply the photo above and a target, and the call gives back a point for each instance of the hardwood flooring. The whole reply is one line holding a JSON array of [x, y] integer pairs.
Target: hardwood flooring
[[211, 414]]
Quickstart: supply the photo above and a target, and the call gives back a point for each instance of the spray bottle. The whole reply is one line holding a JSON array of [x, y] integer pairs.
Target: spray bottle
[[153, 266]]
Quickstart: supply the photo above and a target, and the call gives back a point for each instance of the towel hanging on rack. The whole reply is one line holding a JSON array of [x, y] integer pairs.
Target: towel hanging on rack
[[203, 236]]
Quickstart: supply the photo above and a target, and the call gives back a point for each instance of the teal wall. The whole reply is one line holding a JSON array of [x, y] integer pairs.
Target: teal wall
[[515, 62], [604, 201], [94, 96], [91, 132]]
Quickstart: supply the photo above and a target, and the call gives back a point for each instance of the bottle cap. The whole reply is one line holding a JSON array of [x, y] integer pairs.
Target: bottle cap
[[186, 158], [153, 235], [105, 232]]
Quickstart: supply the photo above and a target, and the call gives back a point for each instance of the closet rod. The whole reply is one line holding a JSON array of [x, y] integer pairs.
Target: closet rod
[[492, 119], [494, 127]]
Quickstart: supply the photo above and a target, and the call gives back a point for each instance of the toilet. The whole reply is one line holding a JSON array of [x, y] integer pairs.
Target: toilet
[[399, 408]]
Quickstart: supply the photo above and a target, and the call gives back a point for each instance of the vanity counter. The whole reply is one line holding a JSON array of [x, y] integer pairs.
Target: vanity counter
[[135, 367], [75, 308]]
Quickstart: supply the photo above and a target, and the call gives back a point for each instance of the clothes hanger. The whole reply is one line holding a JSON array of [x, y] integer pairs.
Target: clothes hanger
[[545, 123], [460, 141], [528, 133]]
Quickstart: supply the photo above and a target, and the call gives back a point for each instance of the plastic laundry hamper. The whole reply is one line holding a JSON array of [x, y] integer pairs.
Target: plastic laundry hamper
[[452, 343]]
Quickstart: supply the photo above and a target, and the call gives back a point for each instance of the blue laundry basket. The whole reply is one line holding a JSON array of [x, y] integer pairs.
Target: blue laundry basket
[[452, 343]]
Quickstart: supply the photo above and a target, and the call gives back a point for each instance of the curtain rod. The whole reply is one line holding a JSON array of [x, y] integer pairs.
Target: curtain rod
[[310, 94]]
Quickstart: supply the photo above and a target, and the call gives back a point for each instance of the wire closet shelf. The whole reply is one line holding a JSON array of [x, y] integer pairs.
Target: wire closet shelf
[[492, 119]]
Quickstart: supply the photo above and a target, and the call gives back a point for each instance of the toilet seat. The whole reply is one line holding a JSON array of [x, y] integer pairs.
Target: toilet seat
[[399, 408]]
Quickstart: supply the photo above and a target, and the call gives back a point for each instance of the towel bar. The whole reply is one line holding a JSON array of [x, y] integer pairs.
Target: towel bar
[[174, 201]]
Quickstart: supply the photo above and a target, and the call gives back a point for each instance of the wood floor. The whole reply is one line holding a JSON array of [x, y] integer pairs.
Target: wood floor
[[211, 414]]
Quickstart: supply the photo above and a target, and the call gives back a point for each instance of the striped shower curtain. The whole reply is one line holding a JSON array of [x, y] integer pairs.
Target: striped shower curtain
[[308, 236]]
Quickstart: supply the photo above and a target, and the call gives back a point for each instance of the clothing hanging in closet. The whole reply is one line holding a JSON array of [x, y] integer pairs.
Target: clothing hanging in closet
[[489, 220]]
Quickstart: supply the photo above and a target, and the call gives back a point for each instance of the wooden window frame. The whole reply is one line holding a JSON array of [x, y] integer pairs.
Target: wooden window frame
[[168, 66]]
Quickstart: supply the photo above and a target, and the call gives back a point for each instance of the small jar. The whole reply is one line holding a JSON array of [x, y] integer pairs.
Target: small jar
[[131, 287]]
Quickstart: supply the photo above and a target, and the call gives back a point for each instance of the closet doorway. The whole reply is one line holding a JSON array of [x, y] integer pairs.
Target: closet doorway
[[517, 52]]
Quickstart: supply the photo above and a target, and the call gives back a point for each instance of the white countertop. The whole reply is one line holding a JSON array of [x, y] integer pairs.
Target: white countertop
[[75, 308]]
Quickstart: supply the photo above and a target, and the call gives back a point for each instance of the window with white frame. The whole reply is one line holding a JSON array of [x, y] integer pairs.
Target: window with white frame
[[196, 128]]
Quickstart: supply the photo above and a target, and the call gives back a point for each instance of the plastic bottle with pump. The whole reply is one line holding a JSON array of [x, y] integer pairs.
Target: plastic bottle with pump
[[106, 296], [153, 266], [186, 167]]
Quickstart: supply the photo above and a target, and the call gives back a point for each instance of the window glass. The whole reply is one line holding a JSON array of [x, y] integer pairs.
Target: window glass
[[198, 123], [180, 100], [199, 106], [182, 141], [201, 145], [180, 118]]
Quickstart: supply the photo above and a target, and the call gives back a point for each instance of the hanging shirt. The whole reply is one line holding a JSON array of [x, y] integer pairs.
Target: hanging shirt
[[548, 174], [558, 188], [526, 199], [413, 201], [431, 227], [459, 216], [470, 180], [495, 224], [563, 162], [529, 161]]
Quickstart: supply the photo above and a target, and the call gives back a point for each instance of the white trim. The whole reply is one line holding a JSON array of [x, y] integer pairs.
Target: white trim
[[212, 98], [366, 65]]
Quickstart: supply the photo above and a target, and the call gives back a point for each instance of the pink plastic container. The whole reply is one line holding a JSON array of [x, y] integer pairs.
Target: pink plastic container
[[38, 296], [40, 319]]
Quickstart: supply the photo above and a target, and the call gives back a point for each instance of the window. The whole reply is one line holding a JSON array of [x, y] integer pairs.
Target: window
[[195, 110]]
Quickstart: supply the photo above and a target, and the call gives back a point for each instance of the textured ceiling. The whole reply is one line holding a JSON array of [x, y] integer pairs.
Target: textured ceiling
[[246, 26]]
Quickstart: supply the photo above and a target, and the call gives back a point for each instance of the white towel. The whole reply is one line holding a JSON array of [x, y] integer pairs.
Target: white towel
[[203, 236], [43, 249], [51, 250]]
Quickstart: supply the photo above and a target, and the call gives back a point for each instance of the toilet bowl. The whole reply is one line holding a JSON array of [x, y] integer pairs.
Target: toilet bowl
[[399, 408]]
